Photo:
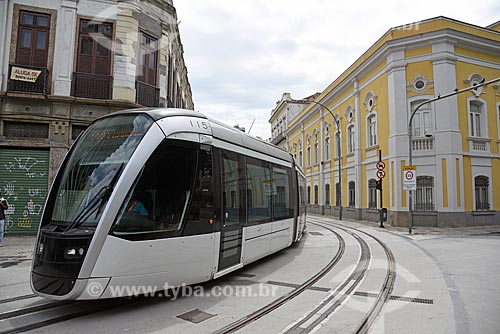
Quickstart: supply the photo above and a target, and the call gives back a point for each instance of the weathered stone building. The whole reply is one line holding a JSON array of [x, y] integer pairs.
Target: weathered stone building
[[63, 63]]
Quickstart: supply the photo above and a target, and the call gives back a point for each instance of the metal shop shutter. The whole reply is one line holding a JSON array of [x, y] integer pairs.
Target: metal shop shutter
[[24, 178]]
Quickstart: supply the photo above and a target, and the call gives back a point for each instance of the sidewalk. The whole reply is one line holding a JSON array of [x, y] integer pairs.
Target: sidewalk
[[17, 247], [425, 232]]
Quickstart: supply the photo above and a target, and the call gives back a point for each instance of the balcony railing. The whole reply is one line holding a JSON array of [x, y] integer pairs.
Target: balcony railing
[[93, 86], [479, 144], [39, 86], [423, 144], [147, 95]]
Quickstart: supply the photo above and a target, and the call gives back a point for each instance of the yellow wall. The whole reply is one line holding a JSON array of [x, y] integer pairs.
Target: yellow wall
[[425, 50], [464, 70], [422, 67]]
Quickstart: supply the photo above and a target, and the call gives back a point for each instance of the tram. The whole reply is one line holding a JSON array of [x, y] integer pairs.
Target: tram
[[163, 197]]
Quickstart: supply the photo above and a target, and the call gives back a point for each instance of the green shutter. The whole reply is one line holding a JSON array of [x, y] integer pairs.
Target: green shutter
[[24, 178]]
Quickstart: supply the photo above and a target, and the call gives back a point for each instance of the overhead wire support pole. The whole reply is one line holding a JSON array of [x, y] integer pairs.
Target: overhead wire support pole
[[410, 134], [337, 124]]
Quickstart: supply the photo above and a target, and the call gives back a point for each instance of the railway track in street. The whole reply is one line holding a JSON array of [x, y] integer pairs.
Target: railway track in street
[[338, 295]]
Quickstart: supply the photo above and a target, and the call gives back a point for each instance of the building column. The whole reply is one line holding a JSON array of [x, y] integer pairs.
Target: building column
[[4, 49], [447, 135], [64, 54], [357, 151], [398, 127], [125, 67]]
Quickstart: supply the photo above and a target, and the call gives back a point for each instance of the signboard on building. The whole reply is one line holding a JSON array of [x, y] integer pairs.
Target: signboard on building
[[410, 177], [24, 74]]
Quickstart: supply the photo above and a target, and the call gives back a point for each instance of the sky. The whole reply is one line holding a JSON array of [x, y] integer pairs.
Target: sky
[[242, 56]]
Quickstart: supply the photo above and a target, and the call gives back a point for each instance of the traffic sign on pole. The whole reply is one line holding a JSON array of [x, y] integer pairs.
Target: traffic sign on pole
[[410, 177], [380, 165], [380, 174]]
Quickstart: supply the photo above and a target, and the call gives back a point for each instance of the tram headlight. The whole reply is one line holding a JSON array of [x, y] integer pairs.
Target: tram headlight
[[74, 253]]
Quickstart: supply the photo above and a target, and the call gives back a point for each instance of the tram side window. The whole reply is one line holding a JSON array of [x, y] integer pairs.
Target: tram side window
[[159, 201], [281, 193], [202, 205], [259, 189], [232, 194]]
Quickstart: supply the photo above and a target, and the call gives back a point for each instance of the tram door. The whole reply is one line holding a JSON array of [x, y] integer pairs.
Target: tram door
[[233, 209]]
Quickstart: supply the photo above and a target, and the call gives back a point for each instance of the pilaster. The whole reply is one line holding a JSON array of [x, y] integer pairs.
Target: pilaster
[[65, 48], [127, 28]]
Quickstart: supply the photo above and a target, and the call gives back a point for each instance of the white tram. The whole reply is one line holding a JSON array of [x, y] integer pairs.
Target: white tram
[[150, 197]]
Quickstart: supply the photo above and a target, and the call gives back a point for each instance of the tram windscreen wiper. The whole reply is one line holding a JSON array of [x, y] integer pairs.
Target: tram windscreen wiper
[[99, 199]]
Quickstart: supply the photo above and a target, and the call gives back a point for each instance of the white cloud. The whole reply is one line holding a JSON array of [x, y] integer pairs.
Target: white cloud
[[242, 55]]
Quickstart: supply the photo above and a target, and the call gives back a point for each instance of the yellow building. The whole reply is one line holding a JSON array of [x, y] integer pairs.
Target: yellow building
[[456, 141]]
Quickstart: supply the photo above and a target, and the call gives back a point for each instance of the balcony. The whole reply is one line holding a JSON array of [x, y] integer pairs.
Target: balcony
[[479, 144], [147, 95], [423, 144], [29, 79], [280, 137], [93, 86]]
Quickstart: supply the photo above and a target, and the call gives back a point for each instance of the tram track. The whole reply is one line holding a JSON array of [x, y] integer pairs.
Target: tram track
[[338, 295], [33, 317], [387, 286], [242, 322]]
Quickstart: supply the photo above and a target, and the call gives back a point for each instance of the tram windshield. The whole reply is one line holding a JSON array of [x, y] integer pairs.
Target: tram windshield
[[95, 164]]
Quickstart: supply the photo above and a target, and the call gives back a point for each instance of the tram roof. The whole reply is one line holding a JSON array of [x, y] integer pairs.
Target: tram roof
[[219, 130]]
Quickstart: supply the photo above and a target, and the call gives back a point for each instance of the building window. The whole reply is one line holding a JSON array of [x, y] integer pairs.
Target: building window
[[315, 153], [481, 186], [476, 119], [337, 145], [147, 59], [372, 130], [13, 129], [337, 194], [327, 147], [352, 194], [316, 195], [308, 151], [92, 78], [424, 199], [301, 157], [422, 120], [308, 194], [372, 194], [327, 194], [33, 39], [350, 139]]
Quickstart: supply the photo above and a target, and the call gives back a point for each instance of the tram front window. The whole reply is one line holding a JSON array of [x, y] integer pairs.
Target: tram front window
[[94, 166], [158, 204]]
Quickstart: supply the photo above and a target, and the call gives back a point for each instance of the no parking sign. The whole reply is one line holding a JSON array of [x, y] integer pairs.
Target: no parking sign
[[410, 177]]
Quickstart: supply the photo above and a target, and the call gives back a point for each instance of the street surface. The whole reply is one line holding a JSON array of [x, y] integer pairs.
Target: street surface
[[444, 281]]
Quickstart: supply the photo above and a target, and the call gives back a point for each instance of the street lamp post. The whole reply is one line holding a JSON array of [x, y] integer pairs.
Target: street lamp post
[[337, 124], [410, 133]]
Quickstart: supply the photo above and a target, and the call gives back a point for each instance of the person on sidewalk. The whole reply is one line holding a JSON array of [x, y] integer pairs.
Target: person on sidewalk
[[3, 207]]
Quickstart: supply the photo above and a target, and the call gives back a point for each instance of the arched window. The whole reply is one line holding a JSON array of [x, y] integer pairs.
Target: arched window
[[350, 138], [327, 144], [372, 194], [316, 147], [327, 194], [371, 130], [337, 194], [424, 199], [301, 157], [352, 194], [481, 187], [308, 151], [308, 194], [316, 194]]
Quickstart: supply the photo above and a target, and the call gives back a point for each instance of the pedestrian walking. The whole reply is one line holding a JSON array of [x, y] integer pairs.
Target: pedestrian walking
[[3, 207]]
